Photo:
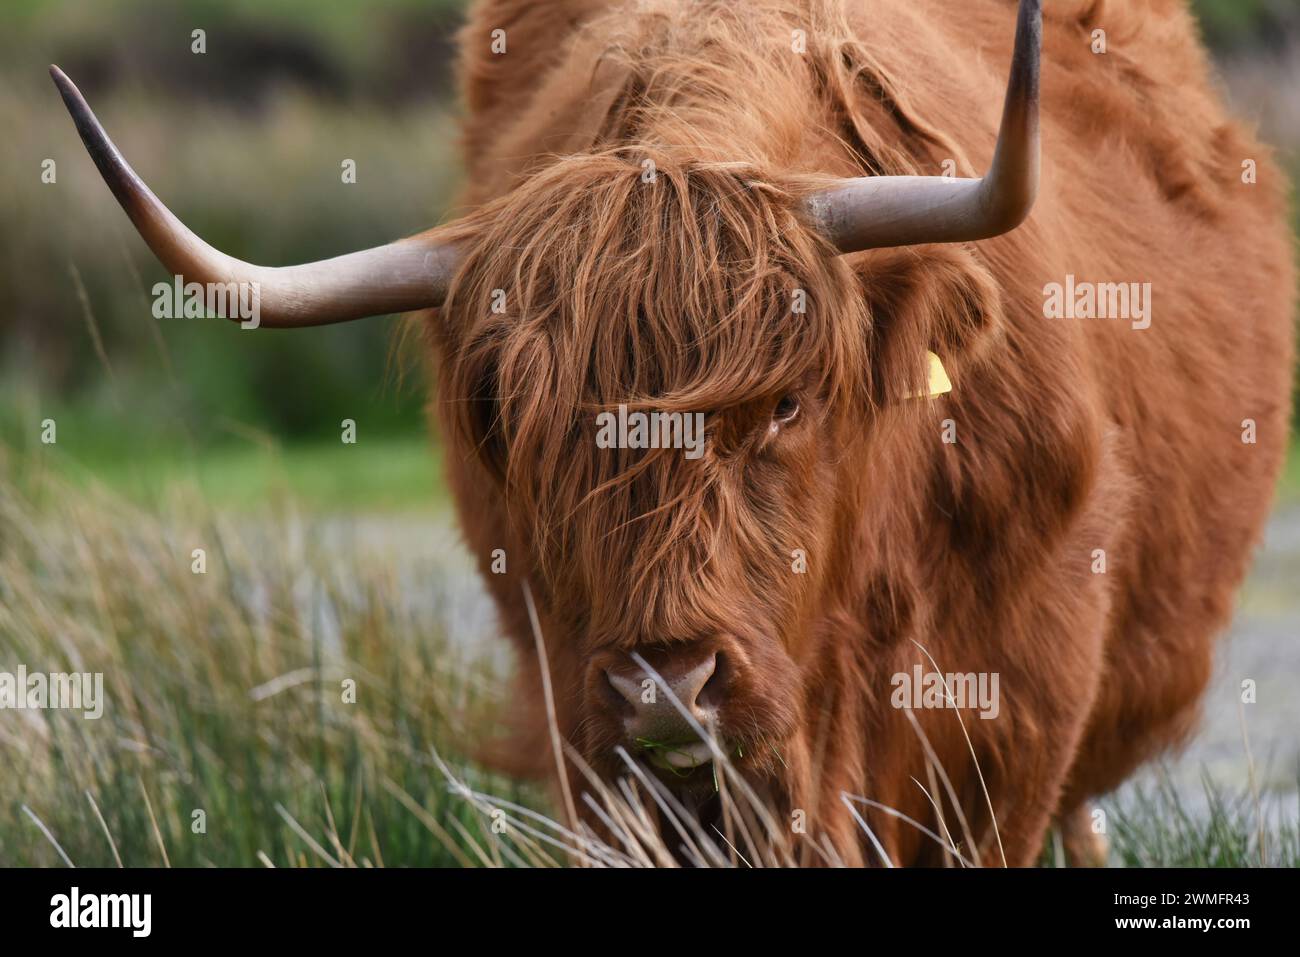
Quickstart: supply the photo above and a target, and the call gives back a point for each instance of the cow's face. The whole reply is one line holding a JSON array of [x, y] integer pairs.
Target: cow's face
[[696, 301]]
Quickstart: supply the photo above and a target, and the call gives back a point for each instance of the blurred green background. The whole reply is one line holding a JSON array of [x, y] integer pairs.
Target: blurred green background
[[246, 142]]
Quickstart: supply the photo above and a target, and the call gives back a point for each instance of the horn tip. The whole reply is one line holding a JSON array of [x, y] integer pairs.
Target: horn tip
[[67, 89]]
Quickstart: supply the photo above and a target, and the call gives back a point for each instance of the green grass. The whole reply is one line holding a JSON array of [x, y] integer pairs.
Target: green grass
[[1153, 827], [1227, 22], [376, 475], [1289, 486], [380, 475], [225, 694], [138, 448]]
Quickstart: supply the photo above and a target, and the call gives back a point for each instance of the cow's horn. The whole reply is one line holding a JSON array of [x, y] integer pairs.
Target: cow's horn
[[874, 211], [409, 274]]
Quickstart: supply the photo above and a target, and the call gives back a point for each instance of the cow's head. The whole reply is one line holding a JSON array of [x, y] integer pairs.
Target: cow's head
[[615, 296]]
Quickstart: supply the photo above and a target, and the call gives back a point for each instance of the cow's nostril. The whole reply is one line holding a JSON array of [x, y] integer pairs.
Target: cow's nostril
[[614, 689], [689, 685], [714, 692]]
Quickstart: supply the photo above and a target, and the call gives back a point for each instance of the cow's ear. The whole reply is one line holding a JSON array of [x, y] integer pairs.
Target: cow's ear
[[939, 300]]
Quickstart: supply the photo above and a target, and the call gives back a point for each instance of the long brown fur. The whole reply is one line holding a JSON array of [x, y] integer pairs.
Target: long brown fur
[[675, 294]]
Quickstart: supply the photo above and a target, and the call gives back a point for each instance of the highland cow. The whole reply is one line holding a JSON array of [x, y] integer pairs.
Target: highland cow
[[768, 213]]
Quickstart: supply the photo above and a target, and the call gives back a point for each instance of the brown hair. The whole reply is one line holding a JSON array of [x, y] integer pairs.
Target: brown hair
[[677, 294]]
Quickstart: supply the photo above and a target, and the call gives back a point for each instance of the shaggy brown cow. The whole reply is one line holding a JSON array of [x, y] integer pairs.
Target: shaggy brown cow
[[657, 222]]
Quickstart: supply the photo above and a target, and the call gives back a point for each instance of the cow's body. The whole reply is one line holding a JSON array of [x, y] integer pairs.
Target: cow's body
[[1073, 436]]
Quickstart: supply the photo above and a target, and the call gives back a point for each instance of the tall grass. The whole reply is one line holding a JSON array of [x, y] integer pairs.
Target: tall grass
[[227, 695], [1154, 827], [225, 692]]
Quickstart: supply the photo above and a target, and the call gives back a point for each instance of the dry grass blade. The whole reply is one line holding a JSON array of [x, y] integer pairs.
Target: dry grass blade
[[544, 667], [933, 766], [48, 836], [866, 829], [339, 849], [988, 800], [949, 844], [427, 819], [104, 824], [1254, 785], [892, 812], [568, 840], [306, 838], [153, 821], [673, 812]]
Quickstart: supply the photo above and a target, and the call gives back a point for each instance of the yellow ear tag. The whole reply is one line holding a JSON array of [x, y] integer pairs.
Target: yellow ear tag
[[939, 383]]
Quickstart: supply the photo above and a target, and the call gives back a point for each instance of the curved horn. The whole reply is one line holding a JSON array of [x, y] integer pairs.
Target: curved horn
[[409, 274], [873, 211]]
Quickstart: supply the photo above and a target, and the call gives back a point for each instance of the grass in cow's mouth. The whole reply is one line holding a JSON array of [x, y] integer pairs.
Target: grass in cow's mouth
[[656, 752], [661, 755], [649, 744], [677, 747]]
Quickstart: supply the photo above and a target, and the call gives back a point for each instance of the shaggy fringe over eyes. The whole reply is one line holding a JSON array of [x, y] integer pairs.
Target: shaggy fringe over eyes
[[628, 276]]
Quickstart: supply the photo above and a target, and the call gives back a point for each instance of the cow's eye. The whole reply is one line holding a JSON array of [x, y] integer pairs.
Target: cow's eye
[[786, 411]]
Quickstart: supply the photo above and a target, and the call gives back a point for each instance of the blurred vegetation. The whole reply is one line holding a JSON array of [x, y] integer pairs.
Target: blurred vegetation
[[1154, 827], [246, 142], [1238, 23], [227, 692]]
